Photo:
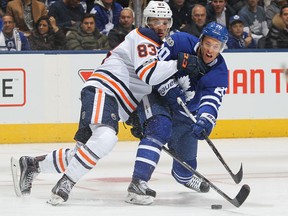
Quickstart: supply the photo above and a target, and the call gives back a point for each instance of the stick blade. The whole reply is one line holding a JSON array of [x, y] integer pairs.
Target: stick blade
[[241, 196], [14, 163], [238, 177]]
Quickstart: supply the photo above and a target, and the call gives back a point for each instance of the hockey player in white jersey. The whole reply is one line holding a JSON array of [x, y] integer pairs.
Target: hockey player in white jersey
[[111, 93]]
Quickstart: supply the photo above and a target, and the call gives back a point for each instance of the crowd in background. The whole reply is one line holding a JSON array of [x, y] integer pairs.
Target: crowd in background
[[103, 24]]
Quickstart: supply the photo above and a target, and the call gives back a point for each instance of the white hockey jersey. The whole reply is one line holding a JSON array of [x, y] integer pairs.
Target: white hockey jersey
[[129, 70]]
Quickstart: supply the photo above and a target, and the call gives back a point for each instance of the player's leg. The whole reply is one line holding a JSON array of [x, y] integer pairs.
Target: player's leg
[[54, 162], [185, 147], [156, 132], [99, 114]]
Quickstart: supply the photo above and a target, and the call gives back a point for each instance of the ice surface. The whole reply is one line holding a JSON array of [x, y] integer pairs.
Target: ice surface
[[103, 190]]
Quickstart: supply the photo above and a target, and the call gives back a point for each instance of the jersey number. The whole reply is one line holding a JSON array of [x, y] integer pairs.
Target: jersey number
[[146, 49]]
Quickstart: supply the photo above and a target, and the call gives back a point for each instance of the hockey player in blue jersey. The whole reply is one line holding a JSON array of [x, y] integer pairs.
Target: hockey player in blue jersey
[[202, 91]]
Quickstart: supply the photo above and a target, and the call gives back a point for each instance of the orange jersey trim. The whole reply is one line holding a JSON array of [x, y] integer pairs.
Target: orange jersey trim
[[146, 69], [116, 86]]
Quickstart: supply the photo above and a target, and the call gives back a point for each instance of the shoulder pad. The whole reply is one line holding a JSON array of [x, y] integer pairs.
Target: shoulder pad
[[151, 34]]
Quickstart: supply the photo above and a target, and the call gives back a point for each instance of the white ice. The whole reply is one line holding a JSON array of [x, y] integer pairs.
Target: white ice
[[102, 191]]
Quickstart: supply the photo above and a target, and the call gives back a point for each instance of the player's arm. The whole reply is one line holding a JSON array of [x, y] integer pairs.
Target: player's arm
[[154, 72], [207, 113], [145, 58], [213, 88], [154, 67], [170, 90]]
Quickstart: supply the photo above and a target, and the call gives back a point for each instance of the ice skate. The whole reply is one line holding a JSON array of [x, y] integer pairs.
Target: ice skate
[[198, 185], [61, 191], [139, 193], [29, 169]]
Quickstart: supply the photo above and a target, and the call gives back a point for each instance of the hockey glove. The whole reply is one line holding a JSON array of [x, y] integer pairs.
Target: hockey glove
[[170, 91], [204, 125], [134, 122], [190, 64]]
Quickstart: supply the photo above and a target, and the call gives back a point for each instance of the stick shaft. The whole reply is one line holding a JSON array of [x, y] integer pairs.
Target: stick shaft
[[236, 177]]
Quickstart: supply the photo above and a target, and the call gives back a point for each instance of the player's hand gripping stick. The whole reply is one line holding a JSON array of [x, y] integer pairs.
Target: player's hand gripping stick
[[236, 177]]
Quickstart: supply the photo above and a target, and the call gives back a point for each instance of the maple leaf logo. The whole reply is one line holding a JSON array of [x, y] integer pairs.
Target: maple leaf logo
[[185, 84]]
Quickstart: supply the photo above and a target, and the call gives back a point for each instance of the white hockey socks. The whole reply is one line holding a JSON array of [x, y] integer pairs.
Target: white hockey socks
[[57, 161], [101, 142]]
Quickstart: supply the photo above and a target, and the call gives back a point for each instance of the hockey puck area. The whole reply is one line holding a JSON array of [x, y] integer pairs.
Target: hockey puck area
[[216, 206]]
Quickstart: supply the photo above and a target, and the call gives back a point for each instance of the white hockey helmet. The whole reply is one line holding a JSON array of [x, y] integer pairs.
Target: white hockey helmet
[[157, 9]]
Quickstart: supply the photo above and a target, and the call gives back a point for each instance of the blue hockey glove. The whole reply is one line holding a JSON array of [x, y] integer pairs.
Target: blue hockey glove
[[191, 65], [170, 91], [204, 125]]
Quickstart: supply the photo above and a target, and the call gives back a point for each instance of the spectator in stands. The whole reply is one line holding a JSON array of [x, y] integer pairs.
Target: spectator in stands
[[254, 19], [138, 10], [2, 10], [236, 4], [273, 9], [125, 3], [198, 16], [118, 33], [3, 5], [10, 38], [90, 4], [107, 13], [181, 13], [278, 34], [67, 13], [238, 38], [47, 35], [86, 36], [220, 12], [26, 13]]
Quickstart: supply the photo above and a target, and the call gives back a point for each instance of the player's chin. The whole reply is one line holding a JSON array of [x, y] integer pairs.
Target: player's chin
[[208, 58], [161, 35]]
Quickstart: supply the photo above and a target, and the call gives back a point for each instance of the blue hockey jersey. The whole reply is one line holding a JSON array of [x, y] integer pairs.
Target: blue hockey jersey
[[203, 95]]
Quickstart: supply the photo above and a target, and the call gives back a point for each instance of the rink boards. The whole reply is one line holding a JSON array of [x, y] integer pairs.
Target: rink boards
[[39, 96]]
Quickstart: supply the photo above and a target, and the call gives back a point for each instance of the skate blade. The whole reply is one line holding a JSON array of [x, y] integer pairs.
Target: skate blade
[[139, 199], [55, 200], [14, 163]]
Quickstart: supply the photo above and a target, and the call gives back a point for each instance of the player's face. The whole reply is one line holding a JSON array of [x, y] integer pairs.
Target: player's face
[[160, 26], [210, 49]]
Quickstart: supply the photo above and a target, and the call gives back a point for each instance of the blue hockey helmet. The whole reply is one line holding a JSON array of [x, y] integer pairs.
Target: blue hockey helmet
[[217, 31]]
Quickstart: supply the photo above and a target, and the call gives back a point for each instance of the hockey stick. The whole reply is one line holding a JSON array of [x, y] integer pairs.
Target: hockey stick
[[236, 177], [237, 201]]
